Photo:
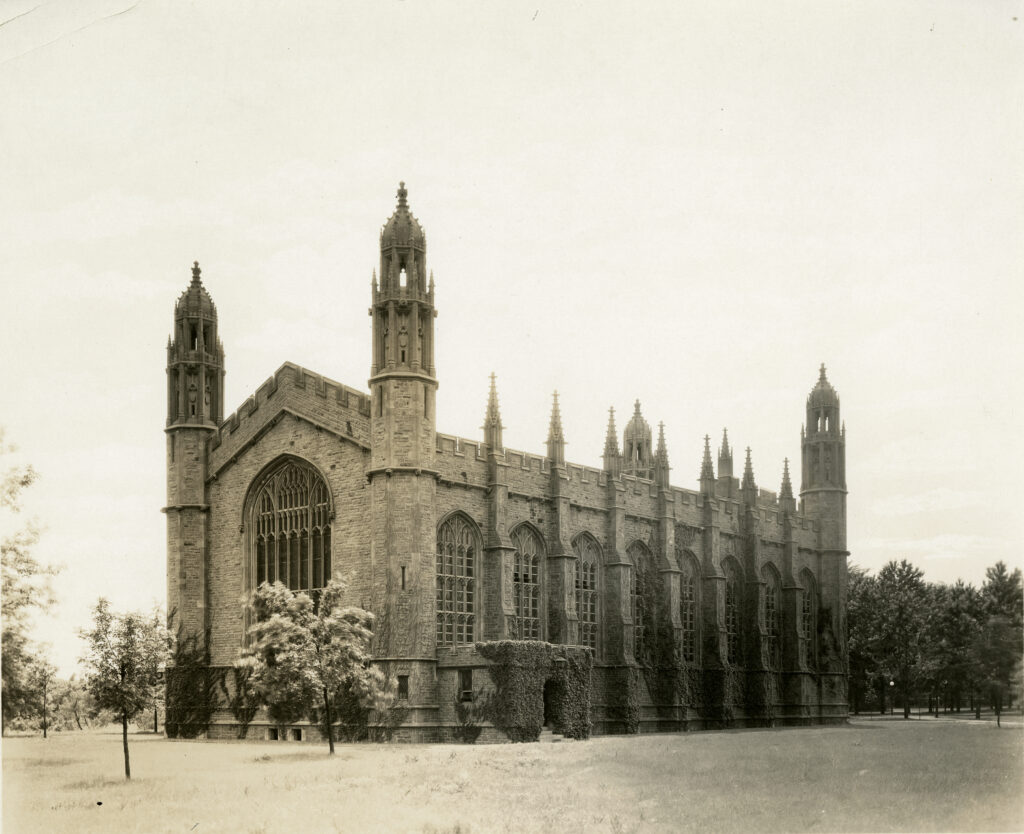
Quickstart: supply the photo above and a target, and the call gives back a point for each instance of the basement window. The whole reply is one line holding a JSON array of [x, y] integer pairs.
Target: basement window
[[465, 684]]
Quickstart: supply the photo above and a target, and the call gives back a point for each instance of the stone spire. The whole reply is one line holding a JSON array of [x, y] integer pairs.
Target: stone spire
[[612, 459], [556, 439], [725, 457], [707, 470], [786, 501], [748, 487], [492, 419], [661, 467]]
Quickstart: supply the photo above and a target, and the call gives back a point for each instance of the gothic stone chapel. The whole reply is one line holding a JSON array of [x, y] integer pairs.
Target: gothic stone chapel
[[486, 567]]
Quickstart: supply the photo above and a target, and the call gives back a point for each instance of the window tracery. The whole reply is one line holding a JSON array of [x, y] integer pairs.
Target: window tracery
[[639, 592], [732, 613], [688, 607], [526, 582], [772, 619], [291, 523], [456, 582], [587, 560]]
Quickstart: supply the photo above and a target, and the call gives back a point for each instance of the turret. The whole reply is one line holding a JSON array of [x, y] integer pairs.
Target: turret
[[195, 359], [403, 437], [195, 402], [823, 486], [637, 448], [403, 304]]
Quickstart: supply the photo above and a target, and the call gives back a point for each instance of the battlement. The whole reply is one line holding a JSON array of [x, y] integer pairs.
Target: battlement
[[325, 402], [450, 445]]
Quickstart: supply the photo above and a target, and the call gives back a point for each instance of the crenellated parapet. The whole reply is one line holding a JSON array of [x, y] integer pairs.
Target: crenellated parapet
[[297, 392]]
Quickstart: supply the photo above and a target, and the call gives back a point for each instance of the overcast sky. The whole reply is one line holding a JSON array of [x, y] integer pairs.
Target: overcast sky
[[691, 204]]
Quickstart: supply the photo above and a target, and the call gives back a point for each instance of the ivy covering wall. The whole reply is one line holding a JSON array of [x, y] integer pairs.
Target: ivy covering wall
[[520, 670]]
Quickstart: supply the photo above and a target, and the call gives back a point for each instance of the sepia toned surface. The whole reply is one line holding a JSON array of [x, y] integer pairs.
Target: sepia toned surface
[[717, 607]]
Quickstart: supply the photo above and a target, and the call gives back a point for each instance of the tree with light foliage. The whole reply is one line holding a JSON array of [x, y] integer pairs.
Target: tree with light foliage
[[310, 660], [25, 589], [124, 655]]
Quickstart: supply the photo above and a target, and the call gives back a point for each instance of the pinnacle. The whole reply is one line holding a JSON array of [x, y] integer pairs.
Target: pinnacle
[[611, 441], [662, 451], [822, 378], [493, 416], [725, 452], [748, 472], [555, 429], [196, 272], [402, 195], [787, 487], [707, 471]]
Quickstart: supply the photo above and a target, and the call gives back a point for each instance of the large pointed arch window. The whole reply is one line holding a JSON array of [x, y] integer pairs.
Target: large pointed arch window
[[291, 523], [526, 582], [808, 605], [588, 557], [641, 593], [732, 612], [771, 613], [688, 606], [456, 582]]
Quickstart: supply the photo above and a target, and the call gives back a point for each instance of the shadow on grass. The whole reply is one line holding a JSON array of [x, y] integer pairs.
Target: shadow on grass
[[48, 763], [303, 756], [92, 784]]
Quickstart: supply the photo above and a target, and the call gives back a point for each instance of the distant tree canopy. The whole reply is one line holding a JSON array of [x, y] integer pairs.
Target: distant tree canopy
[[933, 640], [26, 588]]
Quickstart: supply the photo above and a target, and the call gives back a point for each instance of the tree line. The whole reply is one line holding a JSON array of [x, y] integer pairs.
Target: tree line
[[948, 647]]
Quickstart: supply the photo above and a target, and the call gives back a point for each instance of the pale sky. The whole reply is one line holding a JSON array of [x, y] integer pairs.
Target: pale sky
[[687, 203]]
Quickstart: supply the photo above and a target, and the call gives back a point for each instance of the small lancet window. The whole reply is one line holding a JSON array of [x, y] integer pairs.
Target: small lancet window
[[402, 278], [193, 338]]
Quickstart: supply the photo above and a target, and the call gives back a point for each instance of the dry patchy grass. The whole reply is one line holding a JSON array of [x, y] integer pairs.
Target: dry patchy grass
[[892, 776]]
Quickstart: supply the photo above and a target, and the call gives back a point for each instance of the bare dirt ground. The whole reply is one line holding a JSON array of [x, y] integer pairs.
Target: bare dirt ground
[[871, 776]]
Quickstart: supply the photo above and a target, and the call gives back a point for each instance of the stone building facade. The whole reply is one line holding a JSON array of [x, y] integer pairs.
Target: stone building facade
[[710, 607]]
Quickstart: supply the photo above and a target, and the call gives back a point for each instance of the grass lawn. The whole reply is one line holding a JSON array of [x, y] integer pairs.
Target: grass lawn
[[870, 776]]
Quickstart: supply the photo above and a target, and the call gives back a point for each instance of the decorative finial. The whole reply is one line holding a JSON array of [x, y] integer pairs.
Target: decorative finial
[[636, 408], [748, 474], [707, 471], [822, 378], [402, 194], [556, 438], [195, 272], [787, 487], [724, 451]]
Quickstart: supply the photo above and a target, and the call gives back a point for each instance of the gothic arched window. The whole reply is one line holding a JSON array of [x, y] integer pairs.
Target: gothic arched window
[[588, 557], [641, 593], [688, 590], [291, 524], [808, 600], [456, 582], [527, 559], [732, 612], [772, 618]]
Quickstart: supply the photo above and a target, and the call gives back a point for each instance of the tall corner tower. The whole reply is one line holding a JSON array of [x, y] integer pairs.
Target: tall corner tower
[[403, 387], [823, 487], [195, 403]]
